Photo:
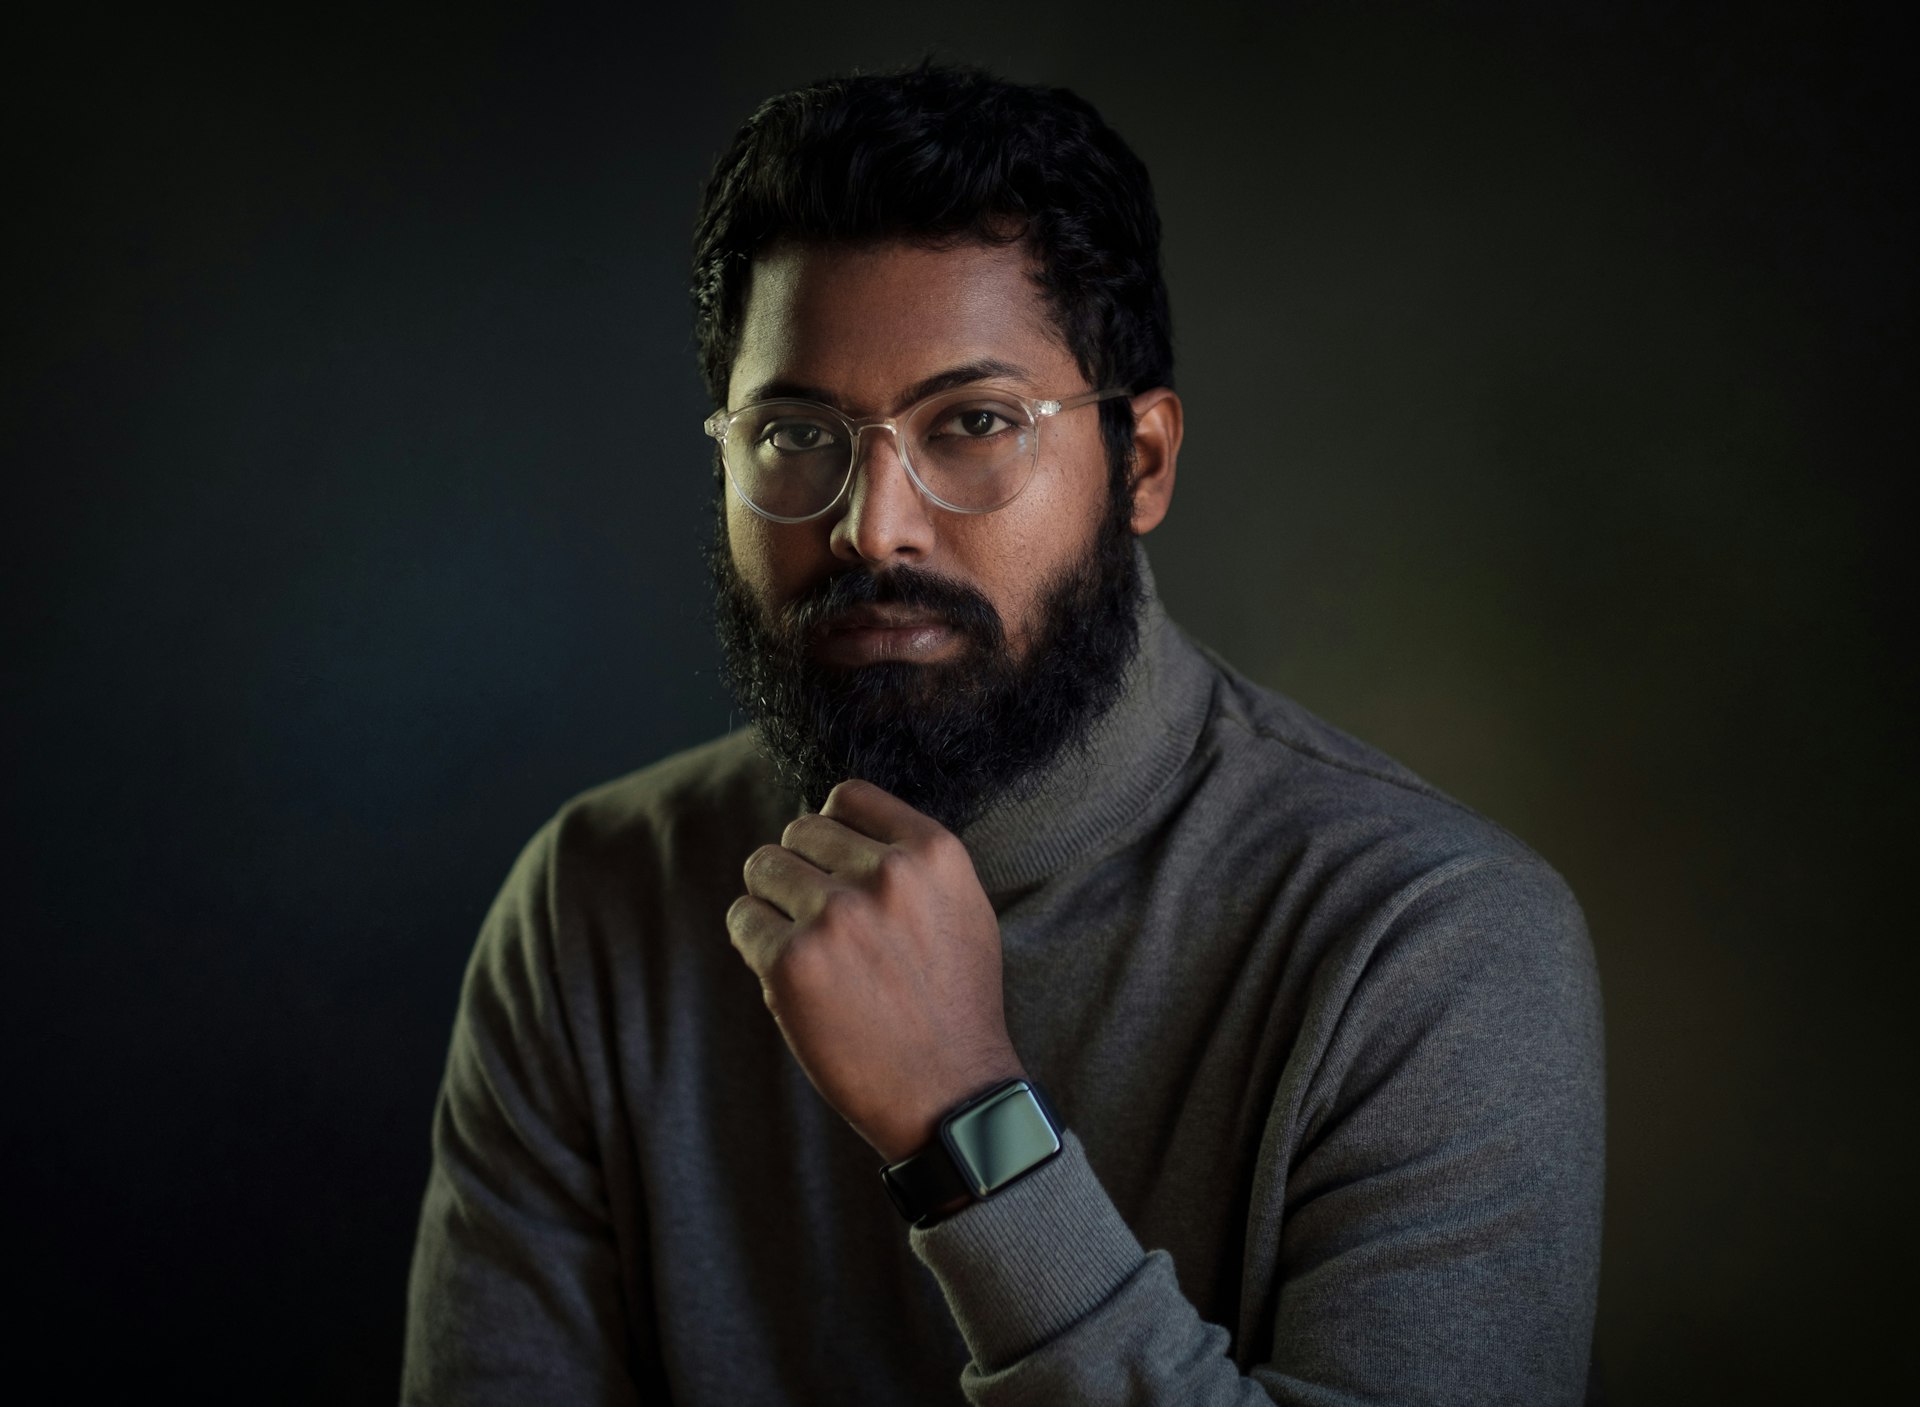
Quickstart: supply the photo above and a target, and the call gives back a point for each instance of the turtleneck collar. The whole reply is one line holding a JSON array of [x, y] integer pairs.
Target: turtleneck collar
[[1086, 798]]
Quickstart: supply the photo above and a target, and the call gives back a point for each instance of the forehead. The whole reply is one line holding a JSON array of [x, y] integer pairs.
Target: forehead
[[861, 324]]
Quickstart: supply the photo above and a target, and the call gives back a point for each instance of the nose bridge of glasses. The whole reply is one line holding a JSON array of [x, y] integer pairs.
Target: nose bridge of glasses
[[861, 450], [881, 479]]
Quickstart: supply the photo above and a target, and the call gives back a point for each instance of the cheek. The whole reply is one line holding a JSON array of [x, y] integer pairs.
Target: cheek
[[775, 560], [1047, 530], [1071, 501]]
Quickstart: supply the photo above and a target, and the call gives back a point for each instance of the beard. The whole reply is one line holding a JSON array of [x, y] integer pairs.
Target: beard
[[950, 738]]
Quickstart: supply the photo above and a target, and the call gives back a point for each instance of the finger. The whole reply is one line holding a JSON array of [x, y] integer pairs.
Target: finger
[[786, 881], [878, 814], [835, 848], [758, 931]]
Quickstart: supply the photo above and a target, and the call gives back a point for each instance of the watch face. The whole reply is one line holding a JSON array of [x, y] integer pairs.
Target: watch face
[[995, 1142]]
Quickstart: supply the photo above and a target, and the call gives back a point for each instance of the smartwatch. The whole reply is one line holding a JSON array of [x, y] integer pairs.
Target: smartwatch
[[993, 1139]]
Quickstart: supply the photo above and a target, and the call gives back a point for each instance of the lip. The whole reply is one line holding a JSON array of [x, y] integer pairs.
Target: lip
[[873, 634], [880, 618]]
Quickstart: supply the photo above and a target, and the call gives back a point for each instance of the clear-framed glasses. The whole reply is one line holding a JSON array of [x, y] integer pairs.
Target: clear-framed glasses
[[970, 450]]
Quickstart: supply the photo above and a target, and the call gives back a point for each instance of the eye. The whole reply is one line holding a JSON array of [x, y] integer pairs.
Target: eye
[[797, 436], [975, 422]]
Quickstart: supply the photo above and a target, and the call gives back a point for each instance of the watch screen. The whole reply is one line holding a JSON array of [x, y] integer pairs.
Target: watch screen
[[1001, 1139]]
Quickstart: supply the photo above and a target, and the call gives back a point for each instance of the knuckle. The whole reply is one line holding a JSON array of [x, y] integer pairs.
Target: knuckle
[[741, 932], [758, 861], [837, 909], [941, 847], [951, 856], [844, 793], [798, 830], [893, 870]]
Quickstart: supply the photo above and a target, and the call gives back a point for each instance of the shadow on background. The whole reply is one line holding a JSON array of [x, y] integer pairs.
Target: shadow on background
[[1547, 382]]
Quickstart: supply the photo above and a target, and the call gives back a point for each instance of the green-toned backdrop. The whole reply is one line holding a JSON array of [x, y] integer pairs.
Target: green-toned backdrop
[[1547, 374]]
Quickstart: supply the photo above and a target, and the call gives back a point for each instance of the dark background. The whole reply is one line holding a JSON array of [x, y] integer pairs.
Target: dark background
[[1547, 374]]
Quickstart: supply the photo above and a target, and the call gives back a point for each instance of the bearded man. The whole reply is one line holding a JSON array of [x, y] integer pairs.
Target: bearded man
[[1209, 1055]]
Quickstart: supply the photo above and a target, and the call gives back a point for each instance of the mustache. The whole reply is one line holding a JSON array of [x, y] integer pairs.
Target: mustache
[[958, 607]]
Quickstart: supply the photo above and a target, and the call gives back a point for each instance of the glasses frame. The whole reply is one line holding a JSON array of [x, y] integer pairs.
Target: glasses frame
[[720, 424]]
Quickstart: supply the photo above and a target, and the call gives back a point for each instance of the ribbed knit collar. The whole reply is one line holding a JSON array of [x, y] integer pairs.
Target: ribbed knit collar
[[1089, 797]]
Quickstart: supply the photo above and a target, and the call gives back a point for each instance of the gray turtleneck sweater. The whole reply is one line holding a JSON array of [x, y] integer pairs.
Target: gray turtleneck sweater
[[1327, 1043]]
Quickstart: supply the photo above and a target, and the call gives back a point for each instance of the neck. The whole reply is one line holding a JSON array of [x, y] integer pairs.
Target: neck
[[1087, 798]]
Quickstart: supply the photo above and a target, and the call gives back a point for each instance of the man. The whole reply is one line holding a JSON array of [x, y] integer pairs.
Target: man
[[1213, 1056]]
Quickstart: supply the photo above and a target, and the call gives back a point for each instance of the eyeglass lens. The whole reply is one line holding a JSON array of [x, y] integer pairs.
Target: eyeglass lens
[[972, 450]]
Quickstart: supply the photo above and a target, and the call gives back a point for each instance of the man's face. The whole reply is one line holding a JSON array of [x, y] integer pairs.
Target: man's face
[[859, 328], [943, 655]]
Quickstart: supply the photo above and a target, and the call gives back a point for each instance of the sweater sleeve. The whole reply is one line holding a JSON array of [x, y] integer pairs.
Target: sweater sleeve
[[1433, 1229], [516, 1294]]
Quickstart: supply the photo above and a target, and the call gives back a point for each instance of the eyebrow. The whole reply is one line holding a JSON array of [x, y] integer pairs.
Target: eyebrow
[[985, 369]]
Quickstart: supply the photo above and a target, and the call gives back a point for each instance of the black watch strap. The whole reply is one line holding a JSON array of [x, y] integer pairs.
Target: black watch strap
[[923, 1181]]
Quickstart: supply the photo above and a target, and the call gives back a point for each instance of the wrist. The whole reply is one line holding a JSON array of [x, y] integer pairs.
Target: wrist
[[921, 1130]]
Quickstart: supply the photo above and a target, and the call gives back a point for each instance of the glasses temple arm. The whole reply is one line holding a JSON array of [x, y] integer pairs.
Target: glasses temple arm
[[1084, 398]]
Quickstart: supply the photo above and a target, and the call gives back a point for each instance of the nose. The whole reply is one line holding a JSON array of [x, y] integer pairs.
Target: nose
[[887, 520]]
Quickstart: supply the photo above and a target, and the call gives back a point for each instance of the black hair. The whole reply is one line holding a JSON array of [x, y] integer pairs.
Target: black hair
[[943, 155]]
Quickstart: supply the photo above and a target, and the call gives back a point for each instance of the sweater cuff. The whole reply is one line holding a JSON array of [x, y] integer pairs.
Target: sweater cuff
[[1029, 1262]]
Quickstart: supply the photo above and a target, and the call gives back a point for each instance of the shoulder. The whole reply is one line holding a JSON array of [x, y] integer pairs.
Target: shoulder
[[684, 823], [619, 893], [1376, 873], [716, 787], [1419, 923], [1334, 798]]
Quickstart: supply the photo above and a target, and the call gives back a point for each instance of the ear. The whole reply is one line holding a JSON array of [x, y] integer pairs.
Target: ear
[[1157, 427]]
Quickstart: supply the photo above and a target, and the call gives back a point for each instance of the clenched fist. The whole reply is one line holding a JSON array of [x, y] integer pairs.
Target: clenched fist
[[879, 956]]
